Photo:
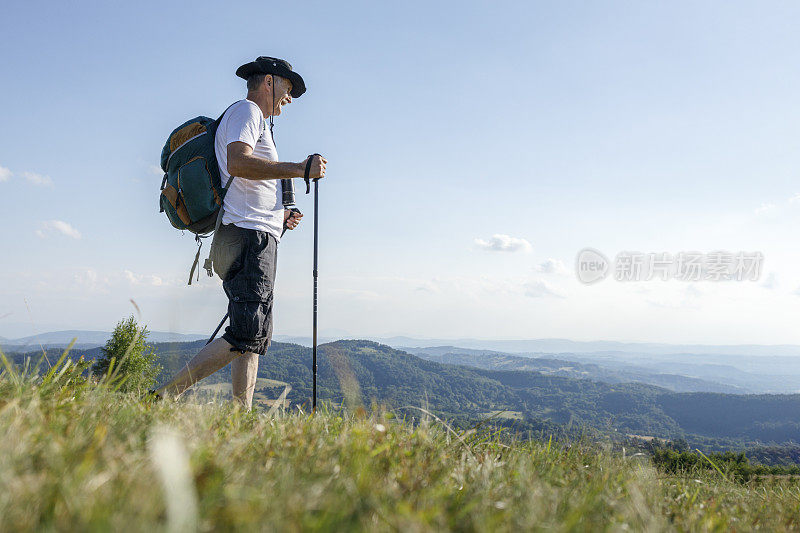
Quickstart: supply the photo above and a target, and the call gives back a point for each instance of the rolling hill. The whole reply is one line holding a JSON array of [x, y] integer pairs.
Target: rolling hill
[[362, 372]]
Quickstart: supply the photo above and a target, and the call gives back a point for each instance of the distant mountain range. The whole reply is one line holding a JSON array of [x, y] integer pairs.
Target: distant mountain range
[[539, 346], [735, 374], [84, 339], [561, 367]]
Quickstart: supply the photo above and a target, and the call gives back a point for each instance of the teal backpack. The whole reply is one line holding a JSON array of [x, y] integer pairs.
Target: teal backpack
[[192, 191]]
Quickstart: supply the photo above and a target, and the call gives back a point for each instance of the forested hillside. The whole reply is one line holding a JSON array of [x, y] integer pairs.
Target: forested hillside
[[364, 372]]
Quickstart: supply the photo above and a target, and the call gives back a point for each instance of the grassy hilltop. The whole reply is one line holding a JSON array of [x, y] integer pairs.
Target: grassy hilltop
[[78, 456]]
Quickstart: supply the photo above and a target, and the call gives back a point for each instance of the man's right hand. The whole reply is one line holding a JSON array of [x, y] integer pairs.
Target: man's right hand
[[317, 169]]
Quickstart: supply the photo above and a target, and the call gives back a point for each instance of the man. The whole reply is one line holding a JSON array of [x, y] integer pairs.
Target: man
[[245, 245]]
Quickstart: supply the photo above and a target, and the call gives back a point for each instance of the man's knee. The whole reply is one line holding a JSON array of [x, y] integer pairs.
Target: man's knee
[[248, 358], [250, 328]]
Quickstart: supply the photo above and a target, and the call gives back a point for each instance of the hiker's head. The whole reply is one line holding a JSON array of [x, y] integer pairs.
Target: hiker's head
[[272, 82], [275, 91]]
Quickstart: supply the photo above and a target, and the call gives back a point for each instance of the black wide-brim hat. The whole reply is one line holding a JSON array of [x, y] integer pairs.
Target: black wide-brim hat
[[278, 67]]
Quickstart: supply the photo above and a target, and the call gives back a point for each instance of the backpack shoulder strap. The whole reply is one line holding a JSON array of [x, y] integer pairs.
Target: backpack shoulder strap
[[219, 118]]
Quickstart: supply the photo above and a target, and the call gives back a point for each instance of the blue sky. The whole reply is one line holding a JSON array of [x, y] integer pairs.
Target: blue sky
[[657, 127]]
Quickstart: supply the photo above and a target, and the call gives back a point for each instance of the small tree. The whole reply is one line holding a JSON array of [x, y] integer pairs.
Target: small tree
[[133, 360]]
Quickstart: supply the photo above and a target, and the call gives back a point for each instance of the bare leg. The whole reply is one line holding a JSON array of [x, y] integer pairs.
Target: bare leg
[[243, 376], [207, 361]]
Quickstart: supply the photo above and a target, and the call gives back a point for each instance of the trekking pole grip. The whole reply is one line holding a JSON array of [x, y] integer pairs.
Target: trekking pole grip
[[306, 176]]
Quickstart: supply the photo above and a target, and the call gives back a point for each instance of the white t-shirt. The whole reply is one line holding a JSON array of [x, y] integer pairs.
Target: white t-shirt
[[250, 204]]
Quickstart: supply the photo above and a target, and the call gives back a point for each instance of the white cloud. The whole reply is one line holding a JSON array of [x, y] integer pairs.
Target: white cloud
[[771, 282], [38, 179], [155, 169], [693, 291], [143, 279], [4, 174], [688, 297], [429, 286], [503, 243], [766, 209], [354, 294], [552, 266], [665, 303], [776, 209], [473, 287], [540, 288], [57, 226], [89, 280]]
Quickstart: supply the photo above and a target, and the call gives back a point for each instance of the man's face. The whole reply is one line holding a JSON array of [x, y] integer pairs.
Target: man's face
[[282, 88]]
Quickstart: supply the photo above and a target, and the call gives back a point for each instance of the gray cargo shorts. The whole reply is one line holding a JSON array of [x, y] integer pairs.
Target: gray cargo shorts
[[245, 259]]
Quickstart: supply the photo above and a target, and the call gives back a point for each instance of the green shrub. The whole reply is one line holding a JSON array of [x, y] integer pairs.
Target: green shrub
[[730, 464], [127, 360]]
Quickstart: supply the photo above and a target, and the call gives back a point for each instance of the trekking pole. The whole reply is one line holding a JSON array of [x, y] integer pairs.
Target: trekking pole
[[314, 338], [316, 248], [218, 328]]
